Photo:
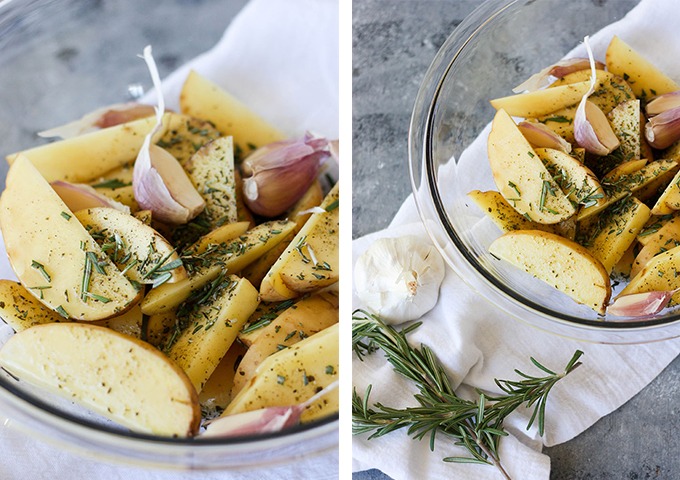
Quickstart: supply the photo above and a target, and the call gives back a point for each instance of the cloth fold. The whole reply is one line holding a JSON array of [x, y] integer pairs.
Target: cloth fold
[[280, 59], [477, 342]]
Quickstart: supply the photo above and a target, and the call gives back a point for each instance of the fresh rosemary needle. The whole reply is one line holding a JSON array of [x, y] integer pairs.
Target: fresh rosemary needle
[[475, 425]]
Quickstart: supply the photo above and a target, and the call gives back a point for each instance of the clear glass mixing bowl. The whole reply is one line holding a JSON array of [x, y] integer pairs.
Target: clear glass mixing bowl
[[497, 47], [59, 60]]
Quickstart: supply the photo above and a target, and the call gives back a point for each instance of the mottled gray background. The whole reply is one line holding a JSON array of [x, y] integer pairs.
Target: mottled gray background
[[394, 42]]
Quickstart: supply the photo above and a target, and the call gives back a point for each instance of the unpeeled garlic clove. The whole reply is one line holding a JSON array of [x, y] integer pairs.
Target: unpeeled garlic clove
[[640, 304], [256, 422], [78, 196], [543, 137], [663, 130], [592, 130], [662, 103], [162, 186], [277, 175], [558, 70], [159, 182]]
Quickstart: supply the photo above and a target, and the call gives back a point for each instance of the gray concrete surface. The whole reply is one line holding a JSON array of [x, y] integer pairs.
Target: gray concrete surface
[[393, 44]]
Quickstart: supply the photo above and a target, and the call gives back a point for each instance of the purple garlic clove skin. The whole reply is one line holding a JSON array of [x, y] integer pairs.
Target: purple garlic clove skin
[[277, 175], [592, 130], [558, 70], [78, 196], [541, 136], [640, 304], [663, 103], [663, 130], [256, 422]]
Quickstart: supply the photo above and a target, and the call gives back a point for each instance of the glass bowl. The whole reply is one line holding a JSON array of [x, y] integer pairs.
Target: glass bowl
[[497, 47], [60, 60]]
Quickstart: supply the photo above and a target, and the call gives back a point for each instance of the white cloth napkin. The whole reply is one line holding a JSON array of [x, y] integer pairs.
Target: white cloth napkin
[[477, 342], [281, 59]]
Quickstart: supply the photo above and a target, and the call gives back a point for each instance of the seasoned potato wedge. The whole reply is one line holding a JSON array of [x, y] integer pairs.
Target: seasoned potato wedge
[[51, 251], [521, 177], [211, 324], [617, 229], [87, 157], [231, 257], [184, 135], [138, 250], [264, 314], [666, 238], [562, 263], [541, 102], [112, 374], [292, 375], [644, 78], [203, 99], [625, 122], [20, 309], [216, 394], [311, 260], [660, 273], [304, 319]]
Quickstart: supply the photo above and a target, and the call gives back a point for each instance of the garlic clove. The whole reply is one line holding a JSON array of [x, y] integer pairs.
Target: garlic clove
[[663, 130], [159, 182], [100, 118], [541, 136], [277, 175], [255, 422], [640, 304], [78, 196], [592, 129], [162, 186], [663, 103], [557, 70]]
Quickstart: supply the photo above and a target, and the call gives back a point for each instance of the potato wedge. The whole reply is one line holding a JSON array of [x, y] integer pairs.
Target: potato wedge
[[666, 238], [562, 263], [616, 231], [660, 273], [117, 376], [264, 314], [625, 121], [304, 319], [292, 375], [311, 260], [541, 102], [644, 78], [20, 309], [521, 177], [507, 218], [216, 394], [87, 157], [204, 99], [229, 257], [669, 200], [576, 180], [653, 226], [184, 135], [52, 250], [138, 250], [211, 323]]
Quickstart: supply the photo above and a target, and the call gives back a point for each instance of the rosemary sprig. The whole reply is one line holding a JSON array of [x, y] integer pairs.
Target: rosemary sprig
[[475, 425]]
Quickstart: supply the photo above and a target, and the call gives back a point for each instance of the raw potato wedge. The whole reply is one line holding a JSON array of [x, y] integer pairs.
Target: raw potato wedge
[[87, 157], [653, 226], [184, 135], [203, 99], [625, 122], [216, 394], [212, 326], [562, 263], [292, 375], [521, 177], [20, 309], [211, 170], [669, 200], [576, 180], [51, 249], [264, 314], [644, 78], [541, 102], [117, 376], [311, 260], [230, 257], [617, 230], [507, 218], [304, 319], [137, 249], [661, 273], [666, 238]]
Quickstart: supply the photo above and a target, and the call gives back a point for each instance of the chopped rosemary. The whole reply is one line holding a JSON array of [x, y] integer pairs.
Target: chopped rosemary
[[60, 310], [333, 205], [41, 269], [112, 184], [66, 215]]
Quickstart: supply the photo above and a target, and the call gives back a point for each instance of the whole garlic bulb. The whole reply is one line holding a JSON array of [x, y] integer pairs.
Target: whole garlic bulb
[[398, 279]]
